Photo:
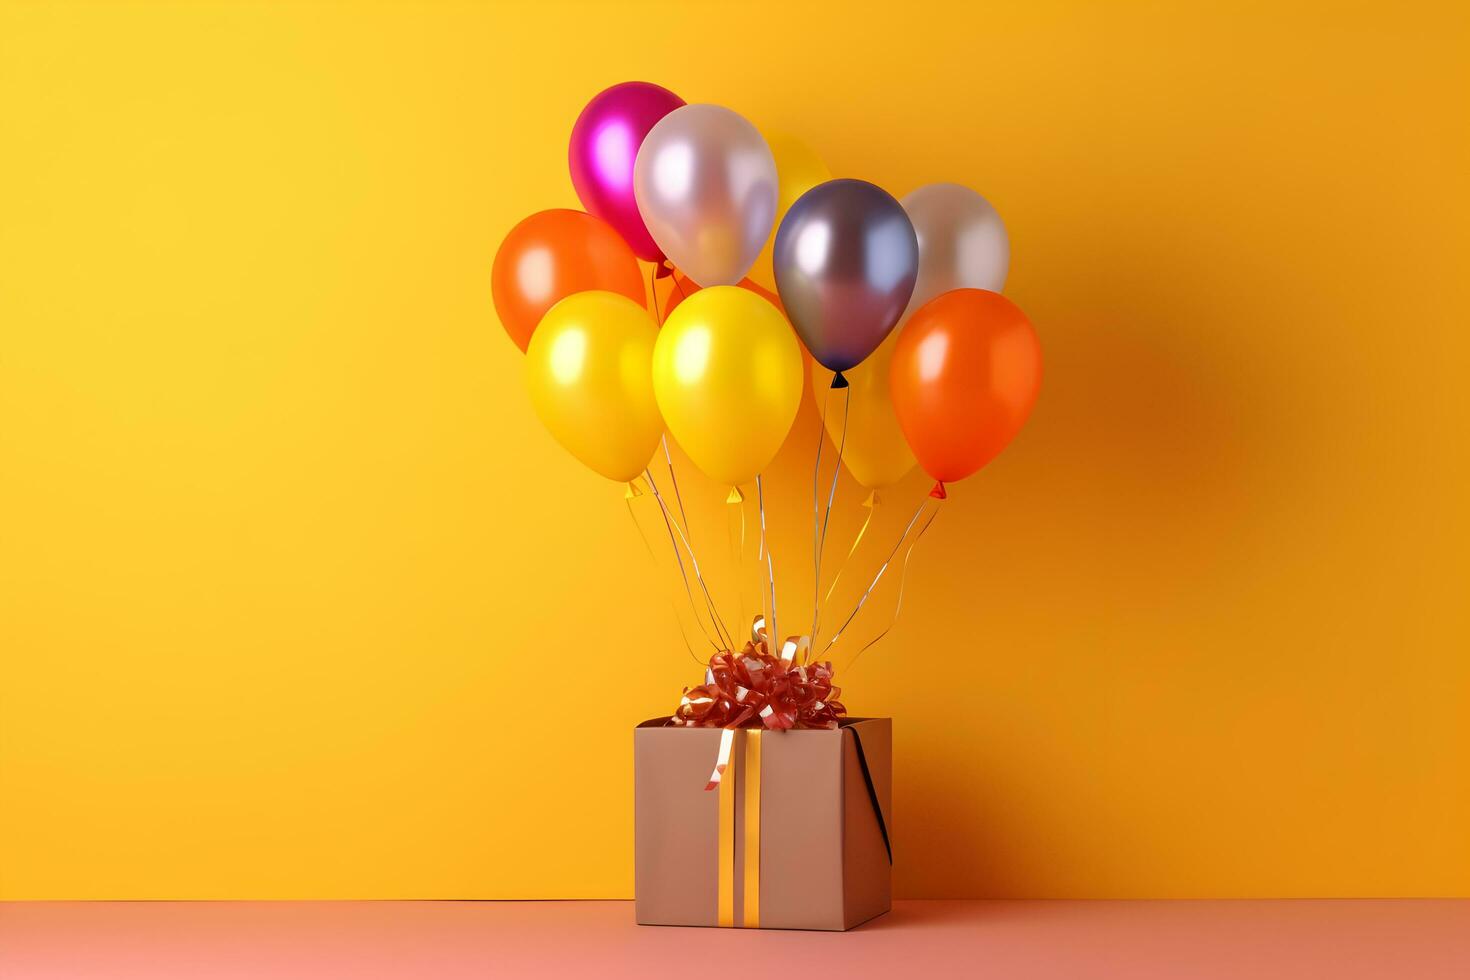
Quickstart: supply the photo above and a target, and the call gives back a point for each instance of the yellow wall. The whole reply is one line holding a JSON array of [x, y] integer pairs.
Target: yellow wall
[[297, 598]]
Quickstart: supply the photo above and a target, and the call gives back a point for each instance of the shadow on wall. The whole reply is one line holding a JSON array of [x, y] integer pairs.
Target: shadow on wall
[[1070, 563], [1091, 553]]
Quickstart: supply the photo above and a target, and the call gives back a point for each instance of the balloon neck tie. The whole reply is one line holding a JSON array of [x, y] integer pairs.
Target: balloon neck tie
[[839, 380], [735, 497], [938, 492], [665, 269]]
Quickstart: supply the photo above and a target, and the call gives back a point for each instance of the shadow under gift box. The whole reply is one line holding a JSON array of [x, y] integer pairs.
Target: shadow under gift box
[[796, 836]]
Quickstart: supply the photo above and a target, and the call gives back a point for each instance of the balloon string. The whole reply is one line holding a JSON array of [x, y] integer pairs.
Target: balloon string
[[744, 583], [673, 603], [716, 623], [873, 502], [742, 527], [817, 504], [658, 317], [719, 624], [683, 573], [827, 517], [663, 440], [736, 528], [760, 497], [688, 529], [903, 578], [878, 577]]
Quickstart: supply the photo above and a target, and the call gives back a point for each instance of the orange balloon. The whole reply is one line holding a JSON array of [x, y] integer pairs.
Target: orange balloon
[[965, 375], [551, 255]]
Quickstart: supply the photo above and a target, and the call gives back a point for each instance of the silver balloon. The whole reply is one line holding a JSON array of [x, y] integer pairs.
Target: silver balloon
[[962, 242], [706, 187]]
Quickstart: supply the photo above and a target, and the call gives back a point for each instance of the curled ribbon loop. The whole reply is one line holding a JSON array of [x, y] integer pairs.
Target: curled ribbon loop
[[757, 689], [722, 761]]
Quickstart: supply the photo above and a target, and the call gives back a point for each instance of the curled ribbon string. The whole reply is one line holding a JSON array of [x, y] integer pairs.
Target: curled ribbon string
[[817, 502], [820, 543], [765, 552], [744, 583], [872, 505], [663, 440], [755, 689], [687, 530], [658, 317], [878, 577], [669, 526], [719, 624], [722, 761], [735, 523], [672, 602], [903, 578]]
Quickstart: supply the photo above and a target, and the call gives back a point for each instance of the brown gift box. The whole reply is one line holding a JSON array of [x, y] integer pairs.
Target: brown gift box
[[795, 837]]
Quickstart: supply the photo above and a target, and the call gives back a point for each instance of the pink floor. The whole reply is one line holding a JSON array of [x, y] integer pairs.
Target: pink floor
[[447, 940]]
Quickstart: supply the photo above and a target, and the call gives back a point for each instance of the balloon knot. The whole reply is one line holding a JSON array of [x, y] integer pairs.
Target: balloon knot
[[735, 497], [665, 269], [938, 492], [839, 380]]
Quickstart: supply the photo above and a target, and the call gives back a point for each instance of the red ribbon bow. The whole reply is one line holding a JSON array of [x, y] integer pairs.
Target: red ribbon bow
[[754, 688]]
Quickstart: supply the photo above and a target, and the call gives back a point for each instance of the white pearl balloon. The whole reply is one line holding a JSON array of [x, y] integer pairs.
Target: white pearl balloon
[[962, 242], [706, 187]]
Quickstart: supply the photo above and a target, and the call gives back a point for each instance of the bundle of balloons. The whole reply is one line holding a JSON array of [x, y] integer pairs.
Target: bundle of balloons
[[897, 303]]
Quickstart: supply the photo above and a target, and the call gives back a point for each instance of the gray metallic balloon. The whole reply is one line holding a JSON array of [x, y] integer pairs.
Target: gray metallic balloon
[[705, 182], [962, 242], [846, 259]]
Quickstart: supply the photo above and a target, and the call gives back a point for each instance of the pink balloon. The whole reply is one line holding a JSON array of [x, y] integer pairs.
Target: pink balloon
[[605, 144]]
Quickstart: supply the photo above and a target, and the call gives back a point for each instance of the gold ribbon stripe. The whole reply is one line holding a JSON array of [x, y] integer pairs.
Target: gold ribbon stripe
[[752, 777]]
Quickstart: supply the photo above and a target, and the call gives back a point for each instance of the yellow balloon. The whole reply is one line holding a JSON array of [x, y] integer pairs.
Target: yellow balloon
[[798, 170], [875, 452], [589, 368], [727, 373]]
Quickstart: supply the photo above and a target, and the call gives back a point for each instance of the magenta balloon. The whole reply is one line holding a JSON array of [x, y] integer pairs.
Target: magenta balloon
[[604, 146]]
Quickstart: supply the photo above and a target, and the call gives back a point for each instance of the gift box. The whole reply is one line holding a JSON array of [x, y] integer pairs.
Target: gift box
[[793, 833]]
